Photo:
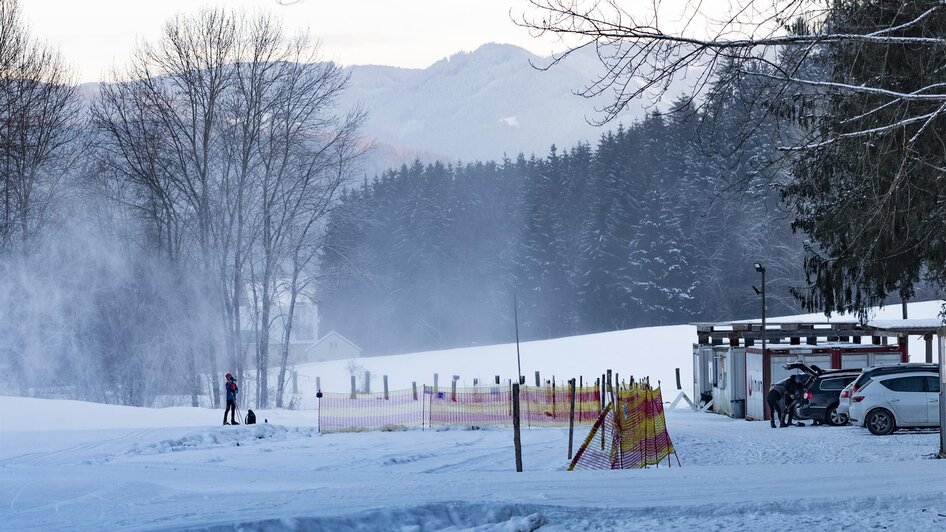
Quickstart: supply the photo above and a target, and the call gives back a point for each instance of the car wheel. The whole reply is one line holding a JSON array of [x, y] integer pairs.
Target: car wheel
[[834, 418], [880, 422]]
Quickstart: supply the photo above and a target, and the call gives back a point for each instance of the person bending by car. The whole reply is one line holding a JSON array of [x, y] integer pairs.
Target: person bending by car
[[794, 389], [775, 399], [232, 391]]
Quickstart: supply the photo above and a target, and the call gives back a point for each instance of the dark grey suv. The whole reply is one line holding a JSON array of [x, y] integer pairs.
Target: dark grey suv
[[819, 401]]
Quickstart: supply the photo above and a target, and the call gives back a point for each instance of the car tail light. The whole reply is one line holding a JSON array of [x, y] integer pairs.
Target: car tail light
[[845, 393], [854, 389], [857, 398], [808, 395]]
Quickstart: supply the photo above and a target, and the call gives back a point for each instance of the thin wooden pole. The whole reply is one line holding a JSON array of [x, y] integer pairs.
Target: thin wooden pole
[[517, 441], [571, 418]]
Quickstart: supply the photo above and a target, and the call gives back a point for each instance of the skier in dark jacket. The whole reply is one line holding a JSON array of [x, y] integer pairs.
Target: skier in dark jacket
[[232, 391]]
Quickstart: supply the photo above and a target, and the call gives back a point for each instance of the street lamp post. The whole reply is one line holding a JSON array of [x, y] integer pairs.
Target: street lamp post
[[761, 269], [942, 392]]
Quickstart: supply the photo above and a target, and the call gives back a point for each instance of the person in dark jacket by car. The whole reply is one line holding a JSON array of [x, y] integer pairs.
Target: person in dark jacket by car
[[232, 391], [775, 399], [781, 400], [794, 388]]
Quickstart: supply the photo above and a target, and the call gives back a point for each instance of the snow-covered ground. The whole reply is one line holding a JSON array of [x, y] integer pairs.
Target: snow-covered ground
[[81, 466], [174, 469]]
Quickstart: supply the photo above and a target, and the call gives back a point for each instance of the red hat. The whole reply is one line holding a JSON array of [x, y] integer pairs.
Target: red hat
[[229, 376]]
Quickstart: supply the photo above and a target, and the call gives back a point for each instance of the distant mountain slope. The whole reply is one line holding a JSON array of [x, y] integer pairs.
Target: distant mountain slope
[[481, 104], [473, 106]]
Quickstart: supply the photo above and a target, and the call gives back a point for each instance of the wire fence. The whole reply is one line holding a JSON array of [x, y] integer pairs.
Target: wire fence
[[426, 406]]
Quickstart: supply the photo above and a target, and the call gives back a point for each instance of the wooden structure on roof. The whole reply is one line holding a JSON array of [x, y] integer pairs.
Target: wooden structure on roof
[[812, 333]]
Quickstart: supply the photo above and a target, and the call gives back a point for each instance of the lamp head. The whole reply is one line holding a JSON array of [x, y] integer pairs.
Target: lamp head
[[759, 267]]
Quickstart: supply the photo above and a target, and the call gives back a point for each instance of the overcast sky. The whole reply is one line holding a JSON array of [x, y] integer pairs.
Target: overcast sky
[[96, 34]]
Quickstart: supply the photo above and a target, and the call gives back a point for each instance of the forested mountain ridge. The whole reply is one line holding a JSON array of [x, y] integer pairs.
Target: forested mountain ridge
[[639, 229]]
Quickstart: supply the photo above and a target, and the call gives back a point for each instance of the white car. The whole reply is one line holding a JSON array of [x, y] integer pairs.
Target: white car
[[844, 401], [888, 401]]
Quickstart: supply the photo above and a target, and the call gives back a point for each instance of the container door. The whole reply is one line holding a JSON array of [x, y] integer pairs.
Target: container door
[[778, 372], [882, 359], [737, 365], [696, 374], [720, 389], [822, 361], [854, 360], [755, 402]]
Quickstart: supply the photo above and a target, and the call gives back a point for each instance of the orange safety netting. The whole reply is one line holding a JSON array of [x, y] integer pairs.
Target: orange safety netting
[[398, 409], [547, 406], [631, 436]]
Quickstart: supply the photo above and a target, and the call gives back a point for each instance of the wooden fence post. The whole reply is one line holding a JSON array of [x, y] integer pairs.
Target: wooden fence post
[[353, 391], [436, 380], [367, 382], [414, 388], [517, 441], [386, 387], [538, 380], [571, 418]]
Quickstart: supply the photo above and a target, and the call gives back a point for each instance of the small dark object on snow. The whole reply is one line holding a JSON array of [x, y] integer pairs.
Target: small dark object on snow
[[250, 418]]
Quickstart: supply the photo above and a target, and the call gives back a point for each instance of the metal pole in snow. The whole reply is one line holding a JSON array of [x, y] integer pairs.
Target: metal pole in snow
[[942, 392]]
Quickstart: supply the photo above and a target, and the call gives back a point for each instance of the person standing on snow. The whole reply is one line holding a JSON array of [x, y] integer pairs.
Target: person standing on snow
[[795, 387], [232, 391], [775, 400], [781, 400]]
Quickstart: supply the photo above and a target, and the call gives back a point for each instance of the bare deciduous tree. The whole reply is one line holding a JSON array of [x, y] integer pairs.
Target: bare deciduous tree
[[39, 122], [227, 134]]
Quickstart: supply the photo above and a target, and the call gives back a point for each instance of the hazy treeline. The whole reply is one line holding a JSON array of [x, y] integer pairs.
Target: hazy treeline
[[643, 228], [149, 238]]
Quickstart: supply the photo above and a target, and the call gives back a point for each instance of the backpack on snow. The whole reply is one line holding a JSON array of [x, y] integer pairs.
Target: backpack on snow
[[250, 418]]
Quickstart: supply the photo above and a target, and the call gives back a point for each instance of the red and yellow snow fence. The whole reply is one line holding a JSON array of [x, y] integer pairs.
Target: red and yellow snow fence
[[632, 435], [544, 406]]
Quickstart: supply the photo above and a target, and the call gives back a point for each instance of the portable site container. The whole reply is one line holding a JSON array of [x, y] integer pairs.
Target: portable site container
[[764, 369], [720, 371], [702, 370], [729, 365]]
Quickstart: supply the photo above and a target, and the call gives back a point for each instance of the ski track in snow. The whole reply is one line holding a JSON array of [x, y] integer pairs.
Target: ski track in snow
[[737, 475]]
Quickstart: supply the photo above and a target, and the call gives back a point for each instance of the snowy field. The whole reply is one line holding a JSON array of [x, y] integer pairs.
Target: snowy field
[[175, 469], [67, 465]]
